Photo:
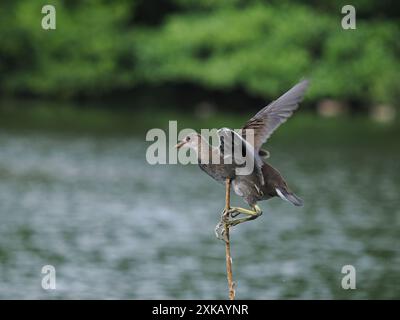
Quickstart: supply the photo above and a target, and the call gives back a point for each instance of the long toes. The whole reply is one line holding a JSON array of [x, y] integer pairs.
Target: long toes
[[222, 236], [219, 231], [232, 212], [232, 224], [224, 214]]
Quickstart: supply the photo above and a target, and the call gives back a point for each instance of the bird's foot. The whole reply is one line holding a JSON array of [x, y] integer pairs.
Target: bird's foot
[[230, 213], [233, 212], [220, 231], [220, 227]]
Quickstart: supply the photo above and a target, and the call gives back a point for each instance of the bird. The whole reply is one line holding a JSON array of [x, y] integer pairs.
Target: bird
[[263, 182]]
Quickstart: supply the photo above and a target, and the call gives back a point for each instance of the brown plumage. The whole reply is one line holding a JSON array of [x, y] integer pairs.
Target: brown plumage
[[263, 182]]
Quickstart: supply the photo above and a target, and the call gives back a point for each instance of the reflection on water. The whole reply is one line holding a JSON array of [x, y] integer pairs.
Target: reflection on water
[[116, 227]]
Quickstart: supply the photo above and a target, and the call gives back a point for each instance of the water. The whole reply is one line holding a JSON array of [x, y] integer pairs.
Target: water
[[115, 227]]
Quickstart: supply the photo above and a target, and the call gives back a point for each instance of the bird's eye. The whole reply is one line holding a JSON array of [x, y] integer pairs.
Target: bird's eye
[[187, 138]]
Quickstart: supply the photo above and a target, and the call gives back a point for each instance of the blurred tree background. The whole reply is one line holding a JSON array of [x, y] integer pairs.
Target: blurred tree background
[[77, 193], [252, 49]]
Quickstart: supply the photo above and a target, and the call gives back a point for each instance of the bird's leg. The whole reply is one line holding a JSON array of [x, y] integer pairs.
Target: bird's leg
[[235, 211], [251, 214]]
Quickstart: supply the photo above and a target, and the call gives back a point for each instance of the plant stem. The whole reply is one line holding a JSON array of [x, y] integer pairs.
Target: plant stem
[[231, 284]]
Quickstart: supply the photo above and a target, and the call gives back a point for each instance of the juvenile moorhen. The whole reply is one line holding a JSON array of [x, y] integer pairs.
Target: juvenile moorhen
[[263, 182]]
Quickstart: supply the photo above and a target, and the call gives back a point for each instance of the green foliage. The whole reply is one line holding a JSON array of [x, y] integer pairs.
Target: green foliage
[[103, 46], [266, 49], [84, 54]]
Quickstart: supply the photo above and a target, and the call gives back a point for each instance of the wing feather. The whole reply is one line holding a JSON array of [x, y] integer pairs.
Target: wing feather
[[268, 119]]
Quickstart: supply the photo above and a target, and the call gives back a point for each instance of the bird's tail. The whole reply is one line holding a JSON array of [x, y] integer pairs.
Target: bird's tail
[[289, 196]]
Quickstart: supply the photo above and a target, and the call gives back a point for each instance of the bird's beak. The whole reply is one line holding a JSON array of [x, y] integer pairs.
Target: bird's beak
[[180, 144]]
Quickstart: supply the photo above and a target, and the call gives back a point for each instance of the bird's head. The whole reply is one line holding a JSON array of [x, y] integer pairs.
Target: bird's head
[[192, 141]]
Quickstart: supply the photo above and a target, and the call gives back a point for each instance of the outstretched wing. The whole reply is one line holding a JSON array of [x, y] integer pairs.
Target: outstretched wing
[[268, 119]]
